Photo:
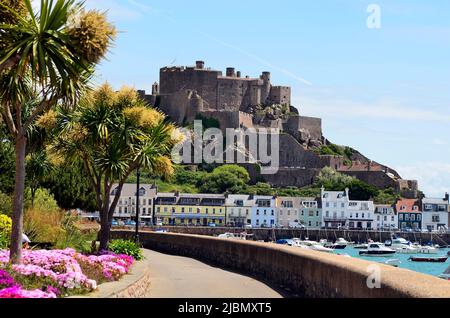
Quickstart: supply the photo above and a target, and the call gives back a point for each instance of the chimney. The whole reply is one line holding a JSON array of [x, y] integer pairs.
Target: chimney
[[446, 198], [238, 74], [199, 65]]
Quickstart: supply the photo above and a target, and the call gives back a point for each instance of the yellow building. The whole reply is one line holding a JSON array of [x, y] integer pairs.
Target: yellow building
[[190, 209]]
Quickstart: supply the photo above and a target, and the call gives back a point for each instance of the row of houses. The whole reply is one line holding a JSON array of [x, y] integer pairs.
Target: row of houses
[[333, 209]]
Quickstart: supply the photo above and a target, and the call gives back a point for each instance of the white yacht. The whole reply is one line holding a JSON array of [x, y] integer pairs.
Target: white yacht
[[227, 235], [320, 248], [377, 249]]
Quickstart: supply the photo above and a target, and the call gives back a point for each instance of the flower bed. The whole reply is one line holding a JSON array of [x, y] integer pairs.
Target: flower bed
[[58, 273]]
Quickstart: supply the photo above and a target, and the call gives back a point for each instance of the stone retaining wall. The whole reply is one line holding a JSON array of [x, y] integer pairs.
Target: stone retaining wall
[[331, 235], [304, 273]]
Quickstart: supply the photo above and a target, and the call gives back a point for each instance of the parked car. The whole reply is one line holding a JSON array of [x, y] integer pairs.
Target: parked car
[[130, 223], [296, 225], [114, 223], [248, 226], [211, 224]]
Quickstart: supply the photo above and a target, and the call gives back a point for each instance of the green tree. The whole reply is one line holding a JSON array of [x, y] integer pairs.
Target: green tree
[[70, 187], [5, 204], [238, 171], [6, 166], [47, 56], [332, 180], [113, 134], [225, 178], [37, 168]]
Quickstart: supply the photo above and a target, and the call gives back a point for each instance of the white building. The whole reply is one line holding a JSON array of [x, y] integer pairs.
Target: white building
[[126, 206], [264, 211], [339, 211], [385, 217], [239, 209], [435, 213]]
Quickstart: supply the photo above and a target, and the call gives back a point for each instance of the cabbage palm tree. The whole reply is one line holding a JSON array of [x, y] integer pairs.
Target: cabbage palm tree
[[113, 133], [47, 55]]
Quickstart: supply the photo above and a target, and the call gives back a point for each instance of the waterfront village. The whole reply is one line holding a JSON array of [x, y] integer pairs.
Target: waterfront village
[[330, 210]]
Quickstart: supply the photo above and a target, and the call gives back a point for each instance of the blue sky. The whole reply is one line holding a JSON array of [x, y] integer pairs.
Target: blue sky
[[385, 92]]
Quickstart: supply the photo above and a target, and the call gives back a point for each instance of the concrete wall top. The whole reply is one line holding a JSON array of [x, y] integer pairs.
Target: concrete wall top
[[310, 273]]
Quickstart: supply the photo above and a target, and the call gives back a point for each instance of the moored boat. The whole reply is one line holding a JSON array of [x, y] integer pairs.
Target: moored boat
[[392, 262], [376, 249], [446, 274], [441, 259]]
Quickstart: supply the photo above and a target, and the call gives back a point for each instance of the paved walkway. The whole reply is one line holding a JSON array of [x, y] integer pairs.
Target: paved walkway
[[182, 277]]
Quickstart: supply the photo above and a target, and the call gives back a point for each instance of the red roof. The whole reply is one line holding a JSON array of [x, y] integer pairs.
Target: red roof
[[407, 205], [358, 166]]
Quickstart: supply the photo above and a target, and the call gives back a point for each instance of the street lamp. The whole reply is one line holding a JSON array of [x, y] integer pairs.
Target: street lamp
[[136, 234]]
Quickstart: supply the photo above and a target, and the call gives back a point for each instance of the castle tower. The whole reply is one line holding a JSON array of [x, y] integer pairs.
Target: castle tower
[[196, 103], [155, 88], [200, 65], [230, 72], [265, 91]]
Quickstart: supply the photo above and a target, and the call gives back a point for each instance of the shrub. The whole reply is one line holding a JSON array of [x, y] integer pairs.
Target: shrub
[[5, 224], [5, 204], [126, 247]]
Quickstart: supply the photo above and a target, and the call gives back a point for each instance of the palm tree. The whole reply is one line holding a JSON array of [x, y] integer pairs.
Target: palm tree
[[113, 133], [49, 56]]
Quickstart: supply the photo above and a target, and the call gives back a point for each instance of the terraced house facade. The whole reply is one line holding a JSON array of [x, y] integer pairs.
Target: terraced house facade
[[126, 207], [409, 214], [190, 209]]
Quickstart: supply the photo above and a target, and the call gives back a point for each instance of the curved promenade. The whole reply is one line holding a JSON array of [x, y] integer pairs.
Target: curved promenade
[[304, 273], [182, 277]]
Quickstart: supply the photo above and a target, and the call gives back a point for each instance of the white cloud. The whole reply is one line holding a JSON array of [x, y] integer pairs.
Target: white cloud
[[438, 142], [433, 177], [383, 108]]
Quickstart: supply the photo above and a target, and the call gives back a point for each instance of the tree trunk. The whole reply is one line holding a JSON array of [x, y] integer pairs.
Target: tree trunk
[[17, 217], [104, 229]]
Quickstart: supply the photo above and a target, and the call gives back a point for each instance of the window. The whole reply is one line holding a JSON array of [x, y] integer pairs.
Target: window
[[317, 213], [281, 212], [182, 210], [257, 211], [435, 218], [143, 210], [126, 210], [198, 210], [413, 217], [419, 217], [311, 213], [158, 209], [400, 217], [206, 210]]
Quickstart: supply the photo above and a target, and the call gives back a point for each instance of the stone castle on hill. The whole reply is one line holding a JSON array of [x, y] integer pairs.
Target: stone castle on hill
[[187, 93]]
